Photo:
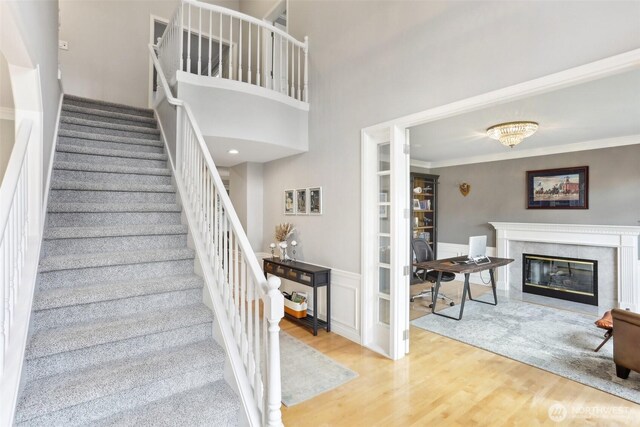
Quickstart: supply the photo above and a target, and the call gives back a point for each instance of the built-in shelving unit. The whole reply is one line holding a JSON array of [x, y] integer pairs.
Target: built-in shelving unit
[[424, 206]]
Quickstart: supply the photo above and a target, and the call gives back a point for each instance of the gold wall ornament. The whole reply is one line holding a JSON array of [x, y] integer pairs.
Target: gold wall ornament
[[464, 189]]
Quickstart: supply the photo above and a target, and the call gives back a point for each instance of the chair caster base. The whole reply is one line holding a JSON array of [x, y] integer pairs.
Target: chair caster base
[[452, 303]]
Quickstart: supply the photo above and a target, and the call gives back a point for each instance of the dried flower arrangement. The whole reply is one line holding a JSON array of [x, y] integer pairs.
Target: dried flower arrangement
[[283, 231]]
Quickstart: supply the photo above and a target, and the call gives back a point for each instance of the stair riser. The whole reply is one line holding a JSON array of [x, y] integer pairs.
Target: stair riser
[[111, 244], [107, 177], [115, 273], [100, 354], [109, 131], [113, 108], [110, 145], [81, 219], [54, 318], [109, 160], [109, 405], [77, 196], [104, 119]]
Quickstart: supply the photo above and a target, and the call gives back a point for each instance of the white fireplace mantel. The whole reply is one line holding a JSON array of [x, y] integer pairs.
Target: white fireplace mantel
[[622, 238]]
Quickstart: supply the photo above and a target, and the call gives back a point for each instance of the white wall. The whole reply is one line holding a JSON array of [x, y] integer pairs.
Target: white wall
[[245, 191], [375, 61], [37, 23], [108, 58]]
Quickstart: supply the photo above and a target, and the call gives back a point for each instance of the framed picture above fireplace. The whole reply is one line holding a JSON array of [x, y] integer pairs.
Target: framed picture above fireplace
[[566, 188]]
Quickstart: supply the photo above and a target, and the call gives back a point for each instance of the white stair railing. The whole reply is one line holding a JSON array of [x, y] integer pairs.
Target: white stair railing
[[248, 307], [20, 237], [227, 44]]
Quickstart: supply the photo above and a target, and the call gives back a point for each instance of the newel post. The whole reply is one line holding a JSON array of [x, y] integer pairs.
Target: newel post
[[274, 311]]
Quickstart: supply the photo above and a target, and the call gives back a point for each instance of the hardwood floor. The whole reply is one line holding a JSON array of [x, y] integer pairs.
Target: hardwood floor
[[443, 382]]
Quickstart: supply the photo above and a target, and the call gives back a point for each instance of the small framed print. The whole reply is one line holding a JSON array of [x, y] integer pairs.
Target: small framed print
[[315, 201], [301, 202], [289, 202], [384, 208]]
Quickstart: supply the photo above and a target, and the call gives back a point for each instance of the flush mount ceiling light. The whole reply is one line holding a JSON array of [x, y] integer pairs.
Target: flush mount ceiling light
[[512, 133], [233, 151]]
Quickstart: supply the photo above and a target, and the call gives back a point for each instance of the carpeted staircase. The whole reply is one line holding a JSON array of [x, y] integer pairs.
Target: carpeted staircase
[[119, 333]]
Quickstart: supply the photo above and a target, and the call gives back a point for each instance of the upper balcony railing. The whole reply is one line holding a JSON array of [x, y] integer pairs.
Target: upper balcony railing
[[216, 42]]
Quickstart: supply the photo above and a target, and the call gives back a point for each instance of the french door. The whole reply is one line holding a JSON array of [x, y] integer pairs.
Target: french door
[[385, 239]]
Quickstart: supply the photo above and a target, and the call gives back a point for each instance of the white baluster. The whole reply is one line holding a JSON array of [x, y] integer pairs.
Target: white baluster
[[230, 77], [181, 37], [199, 41], [3, 252], [298, 80], [220, 50], [306, 69], [259, 42], [281, 60], [249, 57], [210, 40], [240, 50], [189, 42]]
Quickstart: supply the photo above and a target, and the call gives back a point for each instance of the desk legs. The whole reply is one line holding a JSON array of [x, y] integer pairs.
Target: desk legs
[[493, 288], [465, 289], [315, 311]]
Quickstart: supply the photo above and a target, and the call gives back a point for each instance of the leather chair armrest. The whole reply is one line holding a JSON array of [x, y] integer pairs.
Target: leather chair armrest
[[626, 339]]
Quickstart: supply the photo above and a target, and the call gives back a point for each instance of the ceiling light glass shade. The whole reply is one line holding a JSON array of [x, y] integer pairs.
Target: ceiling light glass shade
[[512, 133]]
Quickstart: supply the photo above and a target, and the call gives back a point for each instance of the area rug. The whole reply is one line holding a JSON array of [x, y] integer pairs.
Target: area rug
[[306, 372], [557, 341]]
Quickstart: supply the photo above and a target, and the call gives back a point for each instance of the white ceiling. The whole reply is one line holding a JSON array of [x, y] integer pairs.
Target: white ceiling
[[606, 110], [249, 151]]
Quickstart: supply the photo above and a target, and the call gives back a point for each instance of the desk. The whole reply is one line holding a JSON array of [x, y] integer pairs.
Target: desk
[[448, 265], [309, 275]]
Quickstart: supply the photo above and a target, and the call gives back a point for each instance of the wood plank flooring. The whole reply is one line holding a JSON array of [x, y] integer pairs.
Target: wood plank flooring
[[443, 382]]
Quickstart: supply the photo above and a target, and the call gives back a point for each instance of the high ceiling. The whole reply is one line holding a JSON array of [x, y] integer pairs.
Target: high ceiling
[[606, 110]]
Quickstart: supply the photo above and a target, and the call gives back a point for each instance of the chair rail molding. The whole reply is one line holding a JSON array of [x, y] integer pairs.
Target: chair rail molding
[[624, 239]]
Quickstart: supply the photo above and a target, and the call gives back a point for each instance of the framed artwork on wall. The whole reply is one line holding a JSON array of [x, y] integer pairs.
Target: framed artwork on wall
[[384, 209], [301, 201], [289, 202], [566, 188], [315, 201]]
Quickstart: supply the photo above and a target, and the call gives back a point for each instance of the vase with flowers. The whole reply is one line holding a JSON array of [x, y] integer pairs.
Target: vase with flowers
[[283, 232]]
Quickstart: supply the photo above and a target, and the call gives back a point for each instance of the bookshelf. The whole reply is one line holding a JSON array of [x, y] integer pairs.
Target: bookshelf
[[424, 208]]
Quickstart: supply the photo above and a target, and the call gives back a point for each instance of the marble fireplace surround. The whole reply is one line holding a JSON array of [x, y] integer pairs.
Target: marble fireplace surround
[[623, 239]]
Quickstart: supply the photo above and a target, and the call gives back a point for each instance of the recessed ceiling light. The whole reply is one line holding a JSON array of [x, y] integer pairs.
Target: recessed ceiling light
[[233, 151]]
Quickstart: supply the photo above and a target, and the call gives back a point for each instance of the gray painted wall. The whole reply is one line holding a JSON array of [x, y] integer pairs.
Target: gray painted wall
[[38, 24], [246, 193], [498, 193], [108, 58], [375, 61]]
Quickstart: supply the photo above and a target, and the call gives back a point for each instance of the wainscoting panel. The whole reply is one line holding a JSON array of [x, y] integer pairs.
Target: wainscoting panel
[[449, 250], [345, 301]]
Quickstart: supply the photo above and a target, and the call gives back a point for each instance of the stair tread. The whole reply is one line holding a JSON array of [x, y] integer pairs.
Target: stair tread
[[61, 391], [214, 404], [67, 148], [103, 331], [103, 259], [142, 111], [108, 125], [111, 186], [61, 207], [52, 233], [96, 167], [68, 133], [66, 297], [105, 113]]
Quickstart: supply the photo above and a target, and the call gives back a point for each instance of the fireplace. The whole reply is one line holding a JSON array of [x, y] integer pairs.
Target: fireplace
[[558, 277]]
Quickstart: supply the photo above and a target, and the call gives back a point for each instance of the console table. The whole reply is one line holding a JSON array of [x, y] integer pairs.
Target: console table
[[309, 275]]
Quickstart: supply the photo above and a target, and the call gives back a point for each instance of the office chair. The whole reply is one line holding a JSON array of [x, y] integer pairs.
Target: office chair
[[423, 252]]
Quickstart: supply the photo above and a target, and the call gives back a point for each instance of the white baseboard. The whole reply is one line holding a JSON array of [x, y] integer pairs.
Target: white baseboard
[[449, 250], [345, 301]]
